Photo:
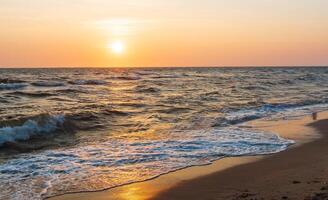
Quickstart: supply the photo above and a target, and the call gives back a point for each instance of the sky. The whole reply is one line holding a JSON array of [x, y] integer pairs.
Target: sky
[[156, 33]]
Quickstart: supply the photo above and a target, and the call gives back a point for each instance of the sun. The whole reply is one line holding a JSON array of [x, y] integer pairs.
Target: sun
[[117, 47]]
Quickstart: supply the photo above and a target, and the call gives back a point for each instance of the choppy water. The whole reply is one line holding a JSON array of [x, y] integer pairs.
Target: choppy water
[[69, 130]]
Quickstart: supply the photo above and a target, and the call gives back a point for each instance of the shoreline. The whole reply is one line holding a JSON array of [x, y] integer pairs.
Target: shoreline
[[183, 183]]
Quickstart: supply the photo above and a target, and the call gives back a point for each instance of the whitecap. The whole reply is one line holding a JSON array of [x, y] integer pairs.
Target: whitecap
[[30, 128]]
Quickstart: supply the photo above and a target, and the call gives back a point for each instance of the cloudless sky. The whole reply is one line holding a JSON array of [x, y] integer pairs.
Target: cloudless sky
[[84, 33]]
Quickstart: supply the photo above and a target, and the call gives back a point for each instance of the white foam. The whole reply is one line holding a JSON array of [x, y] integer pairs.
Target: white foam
[[272, 112], [29, 129], [119, 161]]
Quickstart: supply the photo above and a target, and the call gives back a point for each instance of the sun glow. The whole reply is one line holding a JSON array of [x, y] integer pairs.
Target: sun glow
[[117, 47]]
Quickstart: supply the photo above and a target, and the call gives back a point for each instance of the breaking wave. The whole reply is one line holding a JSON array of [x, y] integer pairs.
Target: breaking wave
[[40, 126], [270, 111]]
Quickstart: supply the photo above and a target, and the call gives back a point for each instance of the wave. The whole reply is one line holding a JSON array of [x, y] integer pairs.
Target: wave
[[166, 76], [127, 78], [88, 82], [84, 116], [3, 100], [116, 112], [307, 77], [271, 111], [7, 80], [143, 89], [145, 73], [33, 94], [43, 125], [86, 120], [12, 86], [175, 110], [60, 99], [71, 90], [255, 87], [47, 84]]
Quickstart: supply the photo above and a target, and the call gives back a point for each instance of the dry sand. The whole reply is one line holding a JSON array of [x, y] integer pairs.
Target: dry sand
[[300, 172]]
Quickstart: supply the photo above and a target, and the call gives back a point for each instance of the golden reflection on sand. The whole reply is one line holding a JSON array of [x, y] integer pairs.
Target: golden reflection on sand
[[134, 193]]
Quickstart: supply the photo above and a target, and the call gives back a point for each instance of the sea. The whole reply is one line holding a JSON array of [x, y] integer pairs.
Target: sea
[[88, 129]]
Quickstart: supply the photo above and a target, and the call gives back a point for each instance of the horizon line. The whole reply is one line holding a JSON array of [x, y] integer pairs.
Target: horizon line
[[127, 67]]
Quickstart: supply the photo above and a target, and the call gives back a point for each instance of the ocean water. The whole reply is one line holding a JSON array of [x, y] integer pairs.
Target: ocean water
[[71, 130]]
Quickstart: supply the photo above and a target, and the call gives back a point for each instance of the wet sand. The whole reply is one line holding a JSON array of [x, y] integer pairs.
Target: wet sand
[[298, 173]]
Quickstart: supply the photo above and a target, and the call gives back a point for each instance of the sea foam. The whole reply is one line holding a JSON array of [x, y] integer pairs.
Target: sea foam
[[30, 128], [96, 166]]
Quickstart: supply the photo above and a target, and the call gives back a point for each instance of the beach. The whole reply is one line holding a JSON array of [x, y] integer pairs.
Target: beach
[[297, 173], [163, 100]]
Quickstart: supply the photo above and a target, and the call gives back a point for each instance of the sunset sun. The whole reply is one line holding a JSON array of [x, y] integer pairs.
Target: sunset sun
[[117, 47]]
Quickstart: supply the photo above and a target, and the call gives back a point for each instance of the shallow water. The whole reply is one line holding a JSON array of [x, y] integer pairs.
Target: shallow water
[[69, 130]]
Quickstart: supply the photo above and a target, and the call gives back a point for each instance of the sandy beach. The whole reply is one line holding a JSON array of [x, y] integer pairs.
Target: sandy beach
[[297, 173], [163, 100]]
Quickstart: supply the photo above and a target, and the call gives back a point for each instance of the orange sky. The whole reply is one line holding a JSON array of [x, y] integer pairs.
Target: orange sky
[[80, 33]]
